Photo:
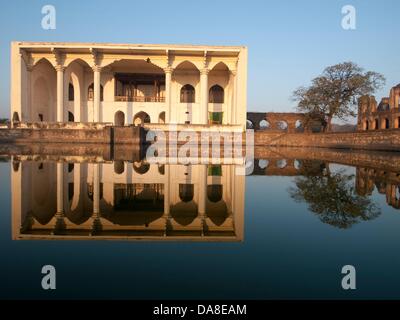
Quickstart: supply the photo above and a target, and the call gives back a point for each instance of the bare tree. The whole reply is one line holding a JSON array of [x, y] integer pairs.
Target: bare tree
[[335, 92]]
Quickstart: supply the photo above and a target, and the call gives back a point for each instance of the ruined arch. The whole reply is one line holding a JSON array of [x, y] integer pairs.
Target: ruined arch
[[299, 125], [262, 163], [397, 123], [385, 124], [264, 124], [281, 163], [282, 125]]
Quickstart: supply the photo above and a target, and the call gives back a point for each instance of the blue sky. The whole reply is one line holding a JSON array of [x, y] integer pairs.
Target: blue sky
[[289, 42]]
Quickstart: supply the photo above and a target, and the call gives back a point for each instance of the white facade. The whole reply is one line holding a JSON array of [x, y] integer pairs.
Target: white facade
[[128, 84]]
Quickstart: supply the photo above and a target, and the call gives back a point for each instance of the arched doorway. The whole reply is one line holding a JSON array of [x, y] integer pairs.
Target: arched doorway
[[187, 94], [15, 117], [119, 119], [385, 123], [141, 118], [70, 117], [161, 117], [216, 94]]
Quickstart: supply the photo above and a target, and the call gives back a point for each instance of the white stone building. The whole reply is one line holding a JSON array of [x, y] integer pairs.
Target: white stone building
[[127, 84]]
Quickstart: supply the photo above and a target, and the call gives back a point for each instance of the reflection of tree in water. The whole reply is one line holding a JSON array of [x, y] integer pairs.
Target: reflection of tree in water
[[333, 198]]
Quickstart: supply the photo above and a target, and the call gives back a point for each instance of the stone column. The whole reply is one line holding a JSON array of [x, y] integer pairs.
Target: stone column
[[29, 93], [166, 190], [167, 202], [232, 119], [60, 223], [97, 93], [60, 93], [204, 96], [202, 189], [169, 118], [96, 188], [96, 227], [202, 195], [60, 187]]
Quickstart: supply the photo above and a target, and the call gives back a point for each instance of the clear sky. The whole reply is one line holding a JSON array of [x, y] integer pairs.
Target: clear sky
[[289, 42]]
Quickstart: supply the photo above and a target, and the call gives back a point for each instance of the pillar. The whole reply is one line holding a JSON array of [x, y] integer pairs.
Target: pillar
[[232, 118], [202, 195], [60, 93], [202, 189], [29, 94], [96, 226], [167, 200], [97, 93], [204, 96], [60, 223], [96, 188], [169, 118], [60, 187], [166, 190]]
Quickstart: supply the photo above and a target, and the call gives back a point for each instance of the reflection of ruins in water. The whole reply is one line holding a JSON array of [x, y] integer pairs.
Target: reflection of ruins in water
[[126, 200], [386, 183], [372, 169]]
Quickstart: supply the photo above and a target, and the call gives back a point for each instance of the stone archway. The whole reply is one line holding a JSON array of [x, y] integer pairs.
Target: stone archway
[[141, 118]]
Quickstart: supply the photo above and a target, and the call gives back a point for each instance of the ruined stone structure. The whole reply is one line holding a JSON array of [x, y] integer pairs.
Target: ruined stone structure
[[387, 183], [289, 122], [385, 115]]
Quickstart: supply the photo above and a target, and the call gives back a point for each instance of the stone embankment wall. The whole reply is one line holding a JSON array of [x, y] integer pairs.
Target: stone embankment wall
[[56, 135], [72, 133], [387, 140]]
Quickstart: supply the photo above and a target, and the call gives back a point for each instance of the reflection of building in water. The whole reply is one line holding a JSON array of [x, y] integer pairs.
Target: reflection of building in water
[[386, 182], [126, 200]]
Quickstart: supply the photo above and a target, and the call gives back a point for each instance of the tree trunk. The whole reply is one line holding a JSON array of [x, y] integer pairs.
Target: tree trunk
[[329, 124]]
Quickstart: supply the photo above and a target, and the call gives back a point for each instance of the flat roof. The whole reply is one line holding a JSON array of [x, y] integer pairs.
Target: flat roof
[[83, 46]]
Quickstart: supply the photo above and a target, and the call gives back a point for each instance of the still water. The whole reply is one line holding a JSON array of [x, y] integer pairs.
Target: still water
[[123, 227]]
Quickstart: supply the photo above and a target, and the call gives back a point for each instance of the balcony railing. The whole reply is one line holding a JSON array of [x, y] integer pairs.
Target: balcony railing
[[139, 99]]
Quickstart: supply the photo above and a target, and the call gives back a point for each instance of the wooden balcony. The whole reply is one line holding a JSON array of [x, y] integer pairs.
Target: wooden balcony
[[139, 99]]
